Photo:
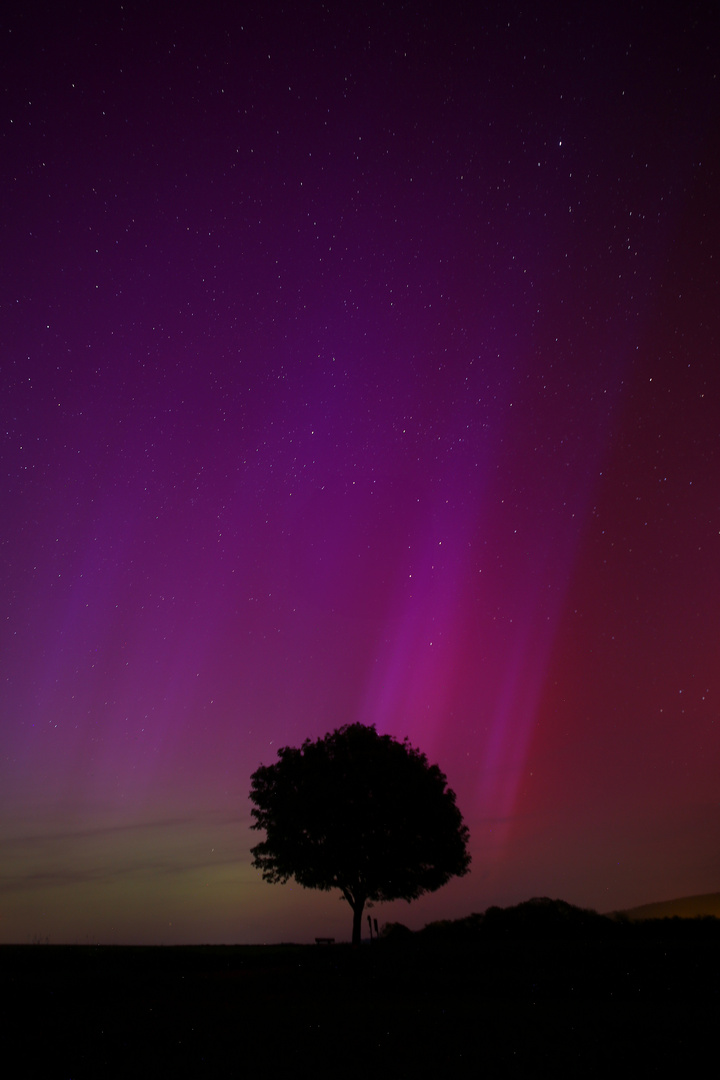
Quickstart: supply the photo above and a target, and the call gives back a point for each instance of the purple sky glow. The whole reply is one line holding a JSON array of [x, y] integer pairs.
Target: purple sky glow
[[356, 365]]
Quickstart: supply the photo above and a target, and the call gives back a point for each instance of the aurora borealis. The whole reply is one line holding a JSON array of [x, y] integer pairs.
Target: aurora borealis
[[356, 365]]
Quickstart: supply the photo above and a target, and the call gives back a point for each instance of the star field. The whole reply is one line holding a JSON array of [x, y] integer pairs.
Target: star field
[[356, 365]]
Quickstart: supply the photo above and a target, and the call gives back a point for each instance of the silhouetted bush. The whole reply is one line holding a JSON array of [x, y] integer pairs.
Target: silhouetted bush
[[396, 932], [537, 918], [453, 929], [542, 916]]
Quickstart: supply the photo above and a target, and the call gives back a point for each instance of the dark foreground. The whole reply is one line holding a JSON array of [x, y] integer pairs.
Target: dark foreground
[[642, 999]]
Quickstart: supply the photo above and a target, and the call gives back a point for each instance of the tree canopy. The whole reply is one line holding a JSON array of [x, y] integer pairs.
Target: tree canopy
[[358, 812]]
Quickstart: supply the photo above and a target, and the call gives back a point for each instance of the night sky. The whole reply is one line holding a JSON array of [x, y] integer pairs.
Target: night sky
[[359, 363]]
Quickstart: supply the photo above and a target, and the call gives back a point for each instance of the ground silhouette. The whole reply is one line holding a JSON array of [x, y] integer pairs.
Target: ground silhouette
[[456, 997]]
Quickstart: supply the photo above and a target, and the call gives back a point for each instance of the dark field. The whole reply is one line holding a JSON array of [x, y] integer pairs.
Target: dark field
[[644, 998]]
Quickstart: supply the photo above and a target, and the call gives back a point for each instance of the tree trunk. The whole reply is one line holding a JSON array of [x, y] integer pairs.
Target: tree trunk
[[357, 909]]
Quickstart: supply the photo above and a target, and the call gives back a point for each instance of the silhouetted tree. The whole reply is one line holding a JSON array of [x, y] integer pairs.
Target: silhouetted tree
[[358, 812]]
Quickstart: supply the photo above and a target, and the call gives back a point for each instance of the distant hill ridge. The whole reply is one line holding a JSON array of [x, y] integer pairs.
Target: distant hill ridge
[[542, 916], [686, 907]]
